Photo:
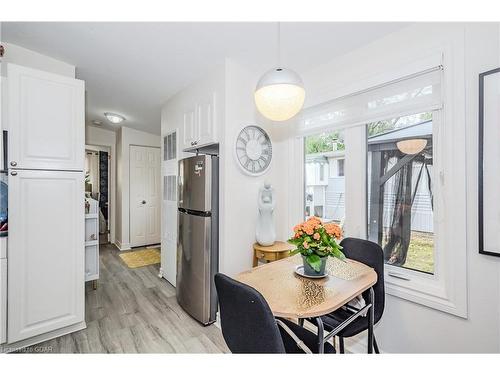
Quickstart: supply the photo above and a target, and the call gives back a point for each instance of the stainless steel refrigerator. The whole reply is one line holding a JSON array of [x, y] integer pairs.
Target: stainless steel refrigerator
[[198, 236]]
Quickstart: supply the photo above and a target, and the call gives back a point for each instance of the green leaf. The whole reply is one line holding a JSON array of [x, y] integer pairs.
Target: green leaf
[[338, 254], [314, 261], [293, 252], [320, 253]]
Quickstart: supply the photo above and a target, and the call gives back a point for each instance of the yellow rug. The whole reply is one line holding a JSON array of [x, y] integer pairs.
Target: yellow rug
[[141, 258]]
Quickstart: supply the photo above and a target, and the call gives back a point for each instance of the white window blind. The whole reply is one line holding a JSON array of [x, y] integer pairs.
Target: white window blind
[[417, 93]]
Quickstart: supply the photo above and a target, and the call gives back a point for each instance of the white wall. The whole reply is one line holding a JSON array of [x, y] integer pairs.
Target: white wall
[[22, 56], [125, 138], [239, 204], [407, 326], [102, 137]]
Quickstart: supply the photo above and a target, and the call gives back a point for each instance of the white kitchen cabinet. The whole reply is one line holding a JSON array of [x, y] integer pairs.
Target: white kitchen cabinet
[[3, 300], [45, 252], [199, 123], [189, 128], [46, 120]]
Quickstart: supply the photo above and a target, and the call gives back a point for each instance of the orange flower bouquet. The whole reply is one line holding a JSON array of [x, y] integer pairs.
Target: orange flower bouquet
[[316, 241]]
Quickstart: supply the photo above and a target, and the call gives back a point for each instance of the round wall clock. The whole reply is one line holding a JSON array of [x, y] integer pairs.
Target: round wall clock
[[254, 150]]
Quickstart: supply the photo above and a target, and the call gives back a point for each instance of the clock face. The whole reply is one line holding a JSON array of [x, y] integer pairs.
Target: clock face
[[254, 150]]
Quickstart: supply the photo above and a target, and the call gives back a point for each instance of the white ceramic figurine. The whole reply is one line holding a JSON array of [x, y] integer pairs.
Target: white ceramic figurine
[[266, 232]]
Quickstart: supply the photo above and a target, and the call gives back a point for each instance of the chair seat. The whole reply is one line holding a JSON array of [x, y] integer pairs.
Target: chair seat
[[331, 321], [309, 338]]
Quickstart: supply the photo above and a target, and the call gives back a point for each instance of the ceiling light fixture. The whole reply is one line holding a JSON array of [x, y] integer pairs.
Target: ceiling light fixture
[[280, 93], [411, 146], [114, 118]]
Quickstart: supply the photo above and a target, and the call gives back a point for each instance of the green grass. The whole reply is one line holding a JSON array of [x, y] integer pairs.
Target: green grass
[[421, 252]]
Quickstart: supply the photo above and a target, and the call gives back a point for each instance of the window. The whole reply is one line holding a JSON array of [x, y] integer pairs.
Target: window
[[400, 190], [324, 186], [405, 174]]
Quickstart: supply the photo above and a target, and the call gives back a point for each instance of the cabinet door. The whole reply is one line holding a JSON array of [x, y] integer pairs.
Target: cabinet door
[[45, 252], [189, 129], [3, 300], [46, 120], [206, 121]]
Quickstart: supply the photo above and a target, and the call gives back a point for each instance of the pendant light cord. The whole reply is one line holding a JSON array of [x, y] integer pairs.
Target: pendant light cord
[[279, 44]]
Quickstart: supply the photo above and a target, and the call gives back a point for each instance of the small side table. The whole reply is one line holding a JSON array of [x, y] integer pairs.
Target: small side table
[[271, 253]]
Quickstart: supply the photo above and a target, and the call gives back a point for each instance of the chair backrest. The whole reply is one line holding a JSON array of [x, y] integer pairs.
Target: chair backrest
[[247, 322], [372, 255]]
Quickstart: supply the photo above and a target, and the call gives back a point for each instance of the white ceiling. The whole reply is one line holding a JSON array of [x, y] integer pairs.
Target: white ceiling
[[133, 68]]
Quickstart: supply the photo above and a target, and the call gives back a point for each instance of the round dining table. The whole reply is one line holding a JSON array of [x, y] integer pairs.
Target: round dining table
[[295, 297]]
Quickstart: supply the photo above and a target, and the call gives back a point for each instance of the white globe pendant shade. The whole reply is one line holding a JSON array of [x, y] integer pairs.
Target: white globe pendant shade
[[279, 94], [411, 146]]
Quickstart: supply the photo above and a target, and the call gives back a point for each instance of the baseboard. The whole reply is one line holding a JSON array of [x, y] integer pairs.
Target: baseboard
[[122, 246], [217, 320], [12, 347]]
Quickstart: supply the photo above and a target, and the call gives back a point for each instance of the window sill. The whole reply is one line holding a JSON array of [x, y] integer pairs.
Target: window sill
[[424, 289]]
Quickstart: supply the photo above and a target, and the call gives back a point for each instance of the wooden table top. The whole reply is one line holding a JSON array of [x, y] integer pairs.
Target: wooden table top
[[292, 296], [277, 247]]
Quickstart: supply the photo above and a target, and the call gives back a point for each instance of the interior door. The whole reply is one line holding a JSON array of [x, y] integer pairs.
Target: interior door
[[46, 120], [145, 196], [46, 252]]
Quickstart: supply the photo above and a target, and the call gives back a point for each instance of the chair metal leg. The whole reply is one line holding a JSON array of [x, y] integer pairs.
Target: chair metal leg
[[341, 345], [321, 335], [371, 317], [375, 345]]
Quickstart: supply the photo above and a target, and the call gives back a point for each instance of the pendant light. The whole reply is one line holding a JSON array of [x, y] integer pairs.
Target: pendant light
[[411, 146], [279, 94]]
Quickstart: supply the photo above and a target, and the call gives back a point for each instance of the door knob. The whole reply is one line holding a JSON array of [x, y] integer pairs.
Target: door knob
[[143, 202], [13, 163]]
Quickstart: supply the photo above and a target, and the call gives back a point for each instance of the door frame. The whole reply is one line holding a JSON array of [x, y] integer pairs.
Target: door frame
[[129, 195], [110, 148]]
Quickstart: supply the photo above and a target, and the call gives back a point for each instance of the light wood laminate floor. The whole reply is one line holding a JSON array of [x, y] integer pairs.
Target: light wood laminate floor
[[134, 311]]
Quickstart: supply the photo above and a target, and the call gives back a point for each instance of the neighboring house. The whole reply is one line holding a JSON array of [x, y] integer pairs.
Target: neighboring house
[[325, 185]]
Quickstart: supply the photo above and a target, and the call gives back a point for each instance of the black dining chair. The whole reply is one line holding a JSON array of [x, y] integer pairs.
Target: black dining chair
[[372, 255], [248, 324]]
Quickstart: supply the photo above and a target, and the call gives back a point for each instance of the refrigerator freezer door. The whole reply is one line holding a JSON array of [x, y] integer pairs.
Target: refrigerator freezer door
[[193, 266], [195, 183]]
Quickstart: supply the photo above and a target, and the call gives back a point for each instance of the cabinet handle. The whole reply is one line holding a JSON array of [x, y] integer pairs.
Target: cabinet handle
[[13, 163], [13, 173]]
